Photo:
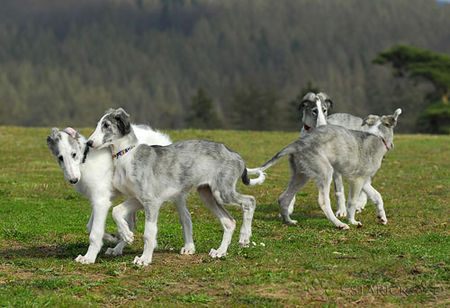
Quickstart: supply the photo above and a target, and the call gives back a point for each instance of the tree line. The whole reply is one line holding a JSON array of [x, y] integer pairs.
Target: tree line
[[211, 64]]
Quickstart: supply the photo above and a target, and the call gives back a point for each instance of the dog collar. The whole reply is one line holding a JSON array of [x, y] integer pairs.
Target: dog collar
[[385, 144], [306, 127], [123, 152]]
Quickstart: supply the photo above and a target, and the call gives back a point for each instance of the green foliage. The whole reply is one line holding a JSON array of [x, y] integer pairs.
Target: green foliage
[[405, 262], [202, 113], [420, 64], [408, 61]]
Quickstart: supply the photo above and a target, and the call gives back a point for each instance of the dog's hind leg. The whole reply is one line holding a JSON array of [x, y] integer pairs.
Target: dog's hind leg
[[339, 195], [99, 212], [248, 206], [355, 187], [186, 223], [376, 198], [323, 183], [287, 198], [227, 222]]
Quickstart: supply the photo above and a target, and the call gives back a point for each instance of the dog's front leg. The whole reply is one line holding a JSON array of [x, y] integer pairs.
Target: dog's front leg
[[355, 187], [376, 198], [124, 216], [186, 223], [99, 212], [150, 231]]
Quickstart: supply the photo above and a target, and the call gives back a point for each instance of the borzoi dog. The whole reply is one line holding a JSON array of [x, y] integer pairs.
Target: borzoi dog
[[314, 113], [155, 174], [354, 154], [91, 173]]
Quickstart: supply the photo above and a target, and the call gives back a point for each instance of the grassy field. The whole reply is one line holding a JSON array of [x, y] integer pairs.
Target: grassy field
[[42, 230]]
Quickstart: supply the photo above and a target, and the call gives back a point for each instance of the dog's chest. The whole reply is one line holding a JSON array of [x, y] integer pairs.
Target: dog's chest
[[123, 179]]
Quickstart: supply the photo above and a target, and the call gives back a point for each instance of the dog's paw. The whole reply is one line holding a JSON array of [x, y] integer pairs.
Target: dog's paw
[[142, 261], [83, 260], [113, 252], [187, 250], [217, 253], [356, 223], [127, 236], [341, 213], [383, 220], [111, 238], [342, 226], [288, 220], [244, 243]]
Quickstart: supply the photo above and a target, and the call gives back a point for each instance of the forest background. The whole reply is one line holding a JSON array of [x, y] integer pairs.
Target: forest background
[[231, 64]]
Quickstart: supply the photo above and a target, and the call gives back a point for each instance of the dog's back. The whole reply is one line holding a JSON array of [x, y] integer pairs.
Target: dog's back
[[346, 120], [188, 163], [349, 152]]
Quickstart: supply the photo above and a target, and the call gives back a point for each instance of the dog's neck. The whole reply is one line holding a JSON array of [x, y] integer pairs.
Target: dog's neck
[[124, 142]]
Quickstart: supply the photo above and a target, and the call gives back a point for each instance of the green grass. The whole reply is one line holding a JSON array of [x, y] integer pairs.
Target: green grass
[[42, 230]]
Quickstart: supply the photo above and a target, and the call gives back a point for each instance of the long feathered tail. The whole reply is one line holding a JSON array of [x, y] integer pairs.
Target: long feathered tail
[[290, 149]]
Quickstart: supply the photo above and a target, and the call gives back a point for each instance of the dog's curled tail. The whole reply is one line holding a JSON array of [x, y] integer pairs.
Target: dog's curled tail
[[256, 171]]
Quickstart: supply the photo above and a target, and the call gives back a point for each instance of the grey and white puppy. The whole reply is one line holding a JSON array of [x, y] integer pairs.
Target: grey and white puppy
[[355, 123], [354, 154], [314, 112], [155, 174], [91, 173]]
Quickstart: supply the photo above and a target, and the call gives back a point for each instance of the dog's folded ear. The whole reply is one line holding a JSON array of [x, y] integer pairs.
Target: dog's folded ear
[[121, 116], [73, 133], [388, 121], [308, 99], [370, 120], [326, 99], [52, 137]]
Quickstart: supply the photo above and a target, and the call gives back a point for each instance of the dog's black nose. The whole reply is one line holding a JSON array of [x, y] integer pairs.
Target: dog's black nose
[[89, 143], [73, 181]]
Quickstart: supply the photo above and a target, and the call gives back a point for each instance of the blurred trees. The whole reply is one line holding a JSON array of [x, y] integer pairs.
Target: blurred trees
[[424, 66], [202, 112], [65, 62]]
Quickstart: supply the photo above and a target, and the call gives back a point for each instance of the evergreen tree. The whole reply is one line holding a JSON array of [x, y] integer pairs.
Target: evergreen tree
[[424, 65], [202, 113]]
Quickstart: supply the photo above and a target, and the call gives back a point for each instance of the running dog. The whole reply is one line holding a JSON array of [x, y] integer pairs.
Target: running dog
[[314, 112], [90, 172], [354, 154], [155, 174]]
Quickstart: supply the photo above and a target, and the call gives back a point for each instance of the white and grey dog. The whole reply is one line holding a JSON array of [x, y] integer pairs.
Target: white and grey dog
[[314, 113], [91, 173], [155, 174], [354, 154]]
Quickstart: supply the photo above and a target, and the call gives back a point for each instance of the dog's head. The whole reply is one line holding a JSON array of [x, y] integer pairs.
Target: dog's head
[[68, 147], [313, 106], [383, 126], [113, 125]]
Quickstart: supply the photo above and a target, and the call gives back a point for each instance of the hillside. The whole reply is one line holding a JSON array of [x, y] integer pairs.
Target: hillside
[[64, 63]]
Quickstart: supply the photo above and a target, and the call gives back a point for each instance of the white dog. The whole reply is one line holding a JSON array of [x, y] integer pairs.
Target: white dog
[[91, 171]]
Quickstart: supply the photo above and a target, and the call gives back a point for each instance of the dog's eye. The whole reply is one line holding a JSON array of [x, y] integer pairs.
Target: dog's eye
[[105, 125], [314, 112], [74, 155], [61, 159]]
